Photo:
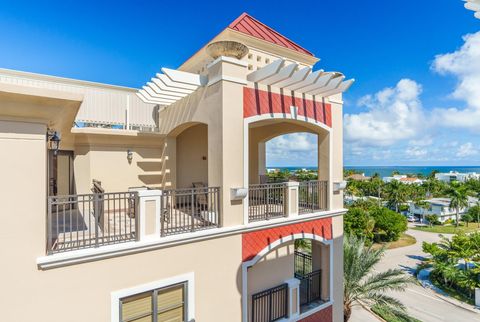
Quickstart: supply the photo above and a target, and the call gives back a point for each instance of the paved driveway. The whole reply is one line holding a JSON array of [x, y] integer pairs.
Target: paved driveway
[[421, 303]]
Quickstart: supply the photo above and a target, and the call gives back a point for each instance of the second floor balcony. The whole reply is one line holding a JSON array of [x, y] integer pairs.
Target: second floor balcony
[[76, 222]]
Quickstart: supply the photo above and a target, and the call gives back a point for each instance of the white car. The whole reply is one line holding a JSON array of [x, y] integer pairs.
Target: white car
[[411, 218]]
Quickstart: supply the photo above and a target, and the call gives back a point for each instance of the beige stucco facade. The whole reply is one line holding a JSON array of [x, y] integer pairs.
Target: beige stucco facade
[[205, 138]]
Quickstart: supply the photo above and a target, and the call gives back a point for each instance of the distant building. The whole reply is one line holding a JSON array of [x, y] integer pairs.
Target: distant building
[[403, 179], [358, 177], [457, 176], [439, 207]]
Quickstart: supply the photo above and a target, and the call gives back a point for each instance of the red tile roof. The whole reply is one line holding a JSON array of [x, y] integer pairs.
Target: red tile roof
[[251, 26]]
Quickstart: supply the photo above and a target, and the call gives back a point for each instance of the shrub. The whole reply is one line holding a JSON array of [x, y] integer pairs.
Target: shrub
[[389, 225], [359, 223], [432, 219]]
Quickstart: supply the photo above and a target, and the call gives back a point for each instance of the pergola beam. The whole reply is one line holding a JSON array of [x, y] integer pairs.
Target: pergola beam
[[332, 84], [309, 80], [177, 76], [266, 72], [340, 89], [284, 73], [167, 94], [320, 83], [297, 77]]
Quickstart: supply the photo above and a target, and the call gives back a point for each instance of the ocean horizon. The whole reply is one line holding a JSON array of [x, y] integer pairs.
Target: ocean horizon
[[385, 171]]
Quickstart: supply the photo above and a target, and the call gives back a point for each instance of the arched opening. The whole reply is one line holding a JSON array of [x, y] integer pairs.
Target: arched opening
[[190, 155], [268, 192], [266, 132], [290, 279]]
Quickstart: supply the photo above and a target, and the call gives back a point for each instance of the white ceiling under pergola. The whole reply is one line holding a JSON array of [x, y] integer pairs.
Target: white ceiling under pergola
[[172, 85]]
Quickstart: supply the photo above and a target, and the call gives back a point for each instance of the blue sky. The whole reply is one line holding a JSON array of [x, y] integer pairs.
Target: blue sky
[[416, 99]]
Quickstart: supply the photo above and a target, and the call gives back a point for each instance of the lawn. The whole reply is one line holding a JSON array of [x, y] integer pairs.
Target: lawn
[[449, 229], [404, 240], [388, 316]]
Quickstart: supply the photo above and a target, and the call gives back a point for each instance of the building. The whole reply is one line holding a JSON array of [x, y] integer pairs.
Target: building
[[473, 5], [439, 207], [403, 179], [145, 205], [358, 177], [457, 176]]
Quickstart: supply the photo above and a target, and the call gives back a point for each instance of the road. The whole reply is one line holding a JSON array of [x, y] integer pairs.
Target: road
[[421, 303]]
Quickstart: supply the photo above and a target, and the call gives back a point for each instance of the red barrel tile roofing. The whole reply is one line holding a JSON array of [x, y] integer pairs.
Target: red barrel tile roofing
[[248, 25]]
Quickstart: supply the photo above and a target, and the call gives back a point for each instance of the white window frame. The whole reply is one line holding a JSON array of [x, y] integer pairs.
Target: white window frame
[[188, 278]]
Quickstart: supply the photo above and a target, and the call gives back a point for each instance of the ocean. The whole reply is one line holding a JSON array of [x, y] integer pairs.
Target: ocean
[[385, 171]]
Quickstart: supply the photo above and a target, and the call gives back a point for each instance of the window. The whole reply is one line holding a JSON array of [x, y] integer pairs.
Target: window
[[166, 304]]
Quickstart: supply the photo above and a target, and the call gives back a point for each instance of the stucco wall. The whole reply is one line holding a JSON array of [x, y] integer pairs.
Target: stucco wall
[[192, 152], [108, 163]]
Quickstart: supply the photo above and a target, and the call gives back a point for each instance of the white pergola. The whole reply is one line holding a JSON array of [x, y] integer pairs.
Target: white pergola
[[288, 76], [473, 5], [172, 85]]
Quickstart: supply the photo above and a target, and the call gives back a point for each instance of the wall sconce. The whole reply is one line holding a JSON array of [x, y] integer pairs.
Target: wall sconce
[[129, 156], [339, 186], [53, 139]]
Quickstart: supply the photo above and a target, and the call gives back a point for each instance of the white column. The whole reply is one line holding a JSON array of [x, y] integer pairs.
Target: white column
[[292, 199], [293, 298], [149, 214]]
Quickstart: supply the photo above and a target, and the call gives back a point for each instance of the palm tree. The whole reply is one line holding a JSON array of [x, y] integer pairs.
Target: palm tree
[[396, 194], [363, 285], [458, 195]]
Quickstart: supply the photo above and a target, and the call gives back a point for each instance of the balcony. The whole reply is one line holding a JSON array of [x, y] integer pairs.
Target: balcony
[[275, 200], [83, 221], [93, 220]]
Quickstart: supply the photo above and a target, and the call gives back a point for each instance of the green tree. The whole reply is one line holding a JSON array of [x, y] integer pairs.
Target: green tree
[[432, 219], [475, 213], [458, 195], [467, 218], [363, 284], [396, 194], [389, 225], [357, 222]]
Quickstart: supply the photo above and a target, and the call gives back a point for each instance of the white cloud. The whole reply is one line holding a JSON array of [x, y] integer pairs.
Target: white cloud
[[467, 150], [292, 149], [394, 114], [464, 64], [416, 152]]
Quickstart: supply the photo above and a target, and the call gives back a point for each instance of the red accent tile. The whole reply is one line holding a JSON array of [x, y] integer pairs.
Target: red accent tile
[[258, 102], [325, 315], [253, 242], [248, 25]]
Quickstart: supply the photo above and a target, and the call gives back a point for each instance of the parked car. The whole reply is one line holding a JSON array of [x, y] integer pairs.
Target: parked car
[[411, 218]]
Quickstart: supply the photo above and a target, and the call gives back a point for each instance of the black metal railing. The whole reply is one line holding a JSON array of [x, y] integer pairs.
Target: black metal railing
[[270, 305], [310, 287], [189, 210], [312, 196], [303, 263], [90, 220], [266, 201]]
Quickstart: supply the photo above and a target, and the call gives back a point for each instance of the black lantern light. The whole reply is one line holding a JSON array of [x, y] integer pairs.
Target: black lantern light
[[53, 138]]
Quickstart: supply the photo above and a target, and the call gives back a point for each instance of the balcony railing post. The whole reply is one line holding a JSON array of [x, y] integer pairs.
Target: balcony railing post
[[192, 200], [291, 198], [96, 210], [49, 226], [293, 303]]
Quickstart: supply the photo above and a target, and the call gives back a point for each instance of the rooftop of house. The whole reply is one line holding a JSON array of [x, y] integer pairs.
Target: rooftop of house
[[358, 177], [251, 26]]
